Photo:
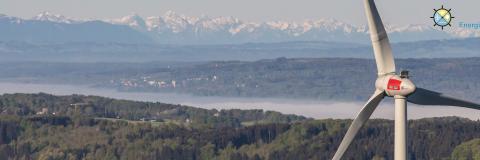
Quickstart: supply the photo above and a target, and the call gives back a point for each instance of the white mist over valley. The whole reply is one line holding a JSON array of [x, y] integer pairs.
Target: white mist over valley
[[309, 108]]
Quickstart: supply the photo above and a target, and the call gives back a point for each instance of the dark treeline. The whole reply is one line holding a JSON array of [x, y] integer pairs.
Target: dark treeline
[[88, 135], [100, 107]]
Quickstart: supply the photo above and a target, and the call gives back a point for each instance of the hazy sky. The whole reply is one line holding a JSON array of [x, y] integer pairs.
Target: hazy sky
[[351, 11]]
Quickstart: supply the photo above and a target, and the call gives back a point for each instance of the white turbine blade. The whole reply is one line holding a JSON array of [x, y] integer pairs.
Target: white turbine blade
[[358, 123], [426, 97], [380, 43]]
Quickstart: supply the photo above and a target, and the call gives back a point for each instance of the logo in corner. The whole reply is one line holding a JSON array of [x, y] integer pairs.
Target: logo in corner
[[442, 17]]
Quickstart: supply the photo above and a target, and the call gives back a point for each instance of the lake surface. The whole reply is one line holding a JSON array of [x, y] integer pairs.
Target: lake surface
[[310, 108]]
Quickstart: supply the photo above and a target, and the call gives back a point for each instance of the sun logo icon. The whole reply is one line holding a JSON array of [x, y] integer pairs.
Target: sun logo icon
[[442, 17]]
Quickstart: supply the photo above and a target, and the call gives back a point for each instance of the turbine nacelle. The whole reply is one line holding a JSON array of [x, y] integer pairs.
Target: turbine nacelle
[[395, 85]]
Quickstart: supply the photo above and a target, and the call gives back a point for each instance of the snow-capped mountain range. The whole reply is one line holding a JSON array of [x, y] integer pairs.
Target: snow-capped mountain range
[[50, 17], [180, 29]]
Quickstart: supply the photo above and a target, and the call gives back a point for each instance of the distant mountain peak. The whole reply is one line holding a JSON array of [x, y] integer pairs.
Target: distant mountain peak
[[51, 17], [10, 19], [133, 20]]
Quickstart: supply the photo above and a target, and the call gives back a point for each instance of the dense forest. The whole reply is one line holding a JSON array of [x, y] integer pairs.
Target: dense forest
[[46, 127]]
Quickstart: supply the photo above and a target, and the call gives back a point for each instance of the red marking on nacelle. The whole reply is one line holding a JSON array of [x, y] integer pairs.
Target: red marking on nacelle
[[393, 84]]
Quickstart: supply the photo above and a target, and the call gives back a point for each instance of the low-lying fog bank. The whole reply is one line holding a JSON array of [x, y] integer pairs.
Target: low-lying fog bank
[[310, 108]]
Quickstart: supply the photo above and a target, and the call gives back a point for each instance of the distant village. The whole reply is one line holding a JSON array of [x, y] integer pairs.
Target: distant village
[[149, 82]]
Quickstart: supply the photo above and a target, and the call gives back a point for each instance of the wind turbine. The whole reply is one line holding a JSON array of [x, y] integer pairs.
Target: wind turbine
[[389, 84]]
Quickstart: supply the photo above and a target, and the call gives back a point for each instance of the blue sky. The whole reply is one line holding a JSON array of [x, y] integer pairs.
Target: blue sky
[[351, 11]]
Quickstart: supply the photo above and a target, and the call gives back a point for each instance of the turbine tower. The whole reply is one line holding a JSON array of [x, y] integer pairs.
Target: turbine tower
[[389, 84]]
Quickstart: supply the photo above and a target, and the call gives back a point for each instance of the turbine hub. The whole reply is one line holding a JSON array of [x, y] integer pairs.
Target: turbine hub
[[395, 85]]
